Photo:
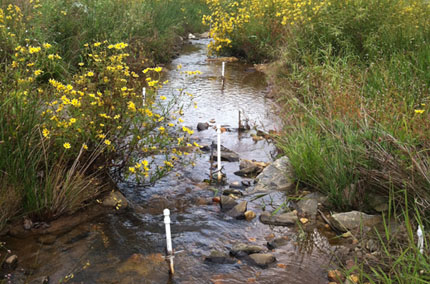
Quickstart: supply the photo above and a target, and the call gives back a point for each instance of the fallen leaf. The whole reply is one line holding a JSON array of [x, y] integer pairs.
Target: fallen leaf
[[251, 280], [281, 265], [252, 239]]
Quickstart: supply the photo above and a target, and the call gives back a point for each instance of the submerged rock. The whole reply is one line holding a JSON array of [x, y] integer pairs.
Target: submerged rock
[[353, 220], [262, 259], [276, 176], [241, 249], [220, 258], [285, 219], [273, 244]]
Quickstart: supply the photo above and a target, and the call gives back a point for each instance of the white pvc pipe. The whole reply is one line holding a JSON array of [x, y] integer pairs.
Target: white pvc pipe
[[143, 95], [166, 213], [420, 235], [223, 70], [218, 131]]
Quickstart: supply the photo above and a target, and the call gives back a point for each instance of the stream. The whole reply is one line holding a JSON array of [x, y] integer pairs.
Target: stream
[[128, 247]]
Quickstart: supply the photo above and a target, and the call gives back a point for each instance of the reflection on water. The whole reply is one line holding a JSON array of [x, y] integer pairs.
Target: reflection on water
[[129, 247]]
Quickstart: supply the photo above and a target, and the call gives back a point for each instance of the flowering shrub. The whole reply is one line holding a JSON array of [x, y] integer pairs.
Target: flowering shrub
[[59, 129]]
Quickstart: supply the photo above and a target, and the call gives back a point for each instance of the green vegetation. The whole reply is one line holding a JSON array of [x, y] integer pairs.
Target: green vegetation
[[353, 79], [71, 104]]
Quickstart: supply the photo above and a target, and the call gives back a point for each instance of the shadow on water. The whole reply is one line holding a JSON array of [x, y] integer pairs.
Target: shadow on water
[[129, 247]]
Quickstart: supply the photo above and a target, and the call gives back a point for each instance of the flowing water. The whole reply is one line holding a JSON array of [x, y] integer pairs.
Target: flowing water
[[129, 247]]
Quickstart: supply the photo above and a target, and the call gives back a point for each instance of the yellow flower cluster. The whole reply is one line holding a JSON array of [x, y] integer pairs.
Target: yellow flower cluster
[[231, 18]]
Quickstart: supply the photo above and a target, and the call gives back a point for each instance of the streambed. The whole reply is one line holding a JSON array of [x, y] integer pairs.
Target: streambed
[[128, 247]]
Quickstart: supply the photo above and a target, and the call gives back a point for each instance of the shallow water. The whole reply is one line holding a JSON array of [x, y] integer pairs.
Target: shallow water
[[128, 247]]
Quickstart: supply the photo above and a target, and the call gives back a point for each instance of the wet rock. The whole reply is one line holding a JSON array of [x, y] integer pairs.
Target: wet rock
[[232, 191], [278, 242], [227, 203], [115, 199], [276, 176], [308, 207], [246, 183], [202, 126], [204, 35], [353, 220], [284, 219], [28, 224], [262, 259], [249, 171], [226, 154], [238, 210], [220, 258], [236, 185], [46, 239], [242, 249], [11, 262], [191, 36], [249, 215]]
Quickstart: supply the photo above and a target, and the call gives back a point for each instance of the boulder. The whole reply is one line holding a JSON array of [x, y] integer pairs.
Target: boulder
[[353, 220], [262, 259], [241, 249], [276, 176], [238, 210]]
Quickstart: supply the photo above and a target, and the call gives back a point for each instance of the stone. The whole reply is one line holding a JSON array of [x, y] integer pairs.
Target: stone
[[284, 219], [204, 35], [276, 176], [241, 249], [219, 257], [308, 207], [201, 126], [47, 239], [262, 259], [115, 199], [353, 220], [372, 246], [278, 242], [227, 203], [335, 275], [232, 191], [249, 215], [238, 210], [11, 262]]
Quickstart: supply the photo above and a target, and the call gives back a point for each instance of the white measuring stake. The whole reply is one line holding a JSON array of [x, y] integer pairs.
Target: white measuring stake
[[166, 213], [223, 70], [143, 95], [218, 131], [420, 235]]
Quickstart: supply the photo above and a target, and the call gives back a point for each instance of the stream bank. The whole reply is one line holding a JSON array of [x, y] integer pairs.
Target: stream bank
[[211, 243]]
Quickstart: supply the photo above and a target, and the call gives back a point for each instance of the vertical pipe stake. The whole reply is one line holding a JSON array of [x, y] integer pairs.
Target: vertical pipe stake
[[166, 213], [143, 96], [218, 131]]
